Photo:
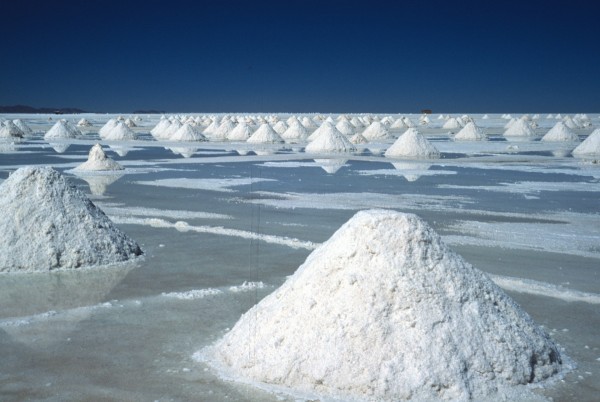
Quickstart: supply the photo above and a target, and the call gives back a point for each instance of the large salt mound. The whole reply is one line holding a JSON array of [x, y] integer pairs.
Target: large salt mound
[[376, 131], [27, 131], [452, 124], [120, 132], [345, 127], [519, 129], [11, 130], [330, 140], [48, 224], [295, 132], [385, 311], [105, 129], [159, 130], [187, 132], [265, 135], [412, 144], [62, 129], [241, 132], [98, 161], [560, 132], [590, 146], [470, 132]]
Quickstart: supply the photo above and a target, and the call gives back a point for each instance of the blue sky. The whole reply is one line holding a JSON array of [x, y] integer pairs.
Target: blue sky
[[302, 56]]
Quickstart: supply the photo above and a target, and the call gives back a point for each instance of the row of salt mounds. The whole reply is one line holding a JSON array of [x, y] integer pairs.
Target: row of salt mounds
[[265, 135], [11, 130], [376, 131], [62, 129], [98, 161], [49, 224], [560, 132], [470, 132], [120, 132], [519, 129], [330, 140], [412, 144], [590, 146], [188, 133], [385, 311]]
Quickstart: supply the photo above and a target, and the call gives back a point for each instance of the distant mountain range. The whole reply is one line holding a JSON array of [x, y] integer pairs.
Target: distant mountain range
[[30, 109]]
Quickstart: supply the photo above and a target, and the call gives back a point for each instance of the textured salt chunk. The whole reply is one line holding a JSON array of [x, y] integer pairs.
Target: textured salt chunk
[[49, 224], [412, 144], [385, 311], [98, 161]]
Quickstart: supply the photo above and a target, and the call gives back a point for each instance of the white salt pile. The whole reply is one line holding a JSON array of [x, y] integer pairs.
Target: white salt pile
[[98, 161], [325, 126], [241, 132], [187, 132], [62, 129], [158, 130], [280, 127], [105, 129], [385, 311], [171, 129], [10, 130], [345, 127], [452, 124], [265, 135], [330, 140], [221, 133], [212, 127], [412, 144], [295, 132], [358, 138], [130, 123], [399, 123], [470, 132], [84, 123], [560, 132], [120, 132], [376, 131], [25, 129], [520, 129], [49, 224], [590, 146]]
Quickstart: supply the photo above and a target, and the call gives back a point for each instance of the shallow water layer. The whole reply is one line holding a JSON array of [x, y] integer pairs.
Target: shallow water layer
[[218, 219]]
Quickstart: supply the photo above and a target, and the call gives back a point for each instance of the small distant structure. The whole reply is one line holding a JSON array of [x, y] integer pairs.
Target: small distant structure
[[58, 112], [426, 111]]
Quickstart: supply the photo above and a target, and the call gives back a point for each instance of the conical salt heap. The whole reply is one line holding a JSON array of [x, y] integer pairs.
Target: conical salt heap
[[11, 130], [520, 129], [265, 135], [49, 224], [105, 129], [384, 311], [590, 146], [295, 132], [412, 144], [187, 132], [62, 129], [560, 132], [345, 127], [120, 132], [330, 140], [158, 130], [376, 131], [27, 131], [470, 132], [98, 161], [241, 132], [452, 124]]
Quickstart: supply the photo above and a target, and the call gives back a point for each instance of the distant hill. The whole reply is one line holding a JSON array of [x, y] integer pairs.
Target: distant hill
[[30, 109]]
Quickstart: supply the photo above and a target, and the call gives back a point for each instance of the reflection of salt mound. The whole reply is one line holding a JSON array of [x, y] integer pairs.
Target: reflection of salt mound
[[186, 152], [60, 147], [376, 131], [590, 146], [97, 160], [265, 135], [560, 132], [330, 140], [62, 129], [470, 132], [331, 166], [120, 150], [385, 311], [412, 144], [412, 171], [520, 129], [50, 224], [98, 183]]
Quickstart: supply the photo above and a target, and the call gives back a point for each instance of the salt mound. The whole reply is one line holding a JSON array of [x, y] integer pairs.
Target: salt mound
[[519, 129], [470, 132], [187, 132], [385, 311], [158, 130], [280, 127], [345, 127], [221, 133], [84, 123], [376, 131], [25, 129], [171, 129], [358, 138], [590, 146], [49, 224], [121, 132], [325, 126], [330, 140], [105, 129], [265, 135], [241, 132], [11, 130], [412, 144], [560, 132], [399, 123], [452, 124], [62, 129], [97, 160], [295, 132]]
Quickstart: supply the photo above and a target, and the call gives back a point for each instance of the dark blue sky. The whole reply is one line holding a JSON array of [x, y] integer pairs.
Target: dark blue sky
[[302, 56]]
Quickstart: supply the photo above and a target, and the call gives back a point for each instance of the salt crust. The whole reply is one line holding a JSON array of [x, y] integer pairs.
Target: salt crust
[[385, 311], [97, 160], [49, 224], [412, 144]]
